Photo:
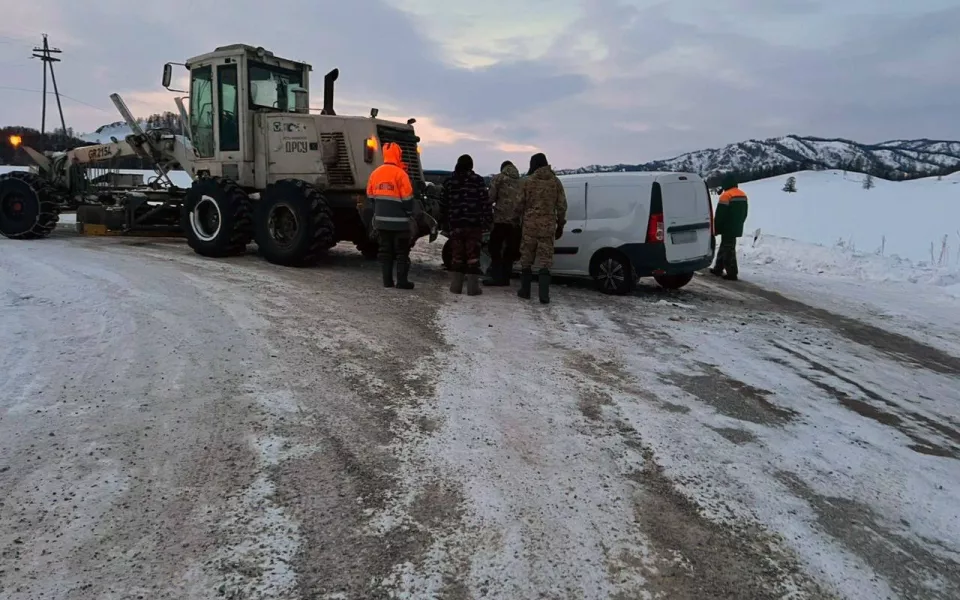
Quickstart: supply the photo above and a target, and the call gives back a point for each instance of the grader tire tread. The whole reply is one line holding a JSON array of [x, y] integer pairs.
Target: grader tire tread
[[48, 214], [311, 209], [237, 210]]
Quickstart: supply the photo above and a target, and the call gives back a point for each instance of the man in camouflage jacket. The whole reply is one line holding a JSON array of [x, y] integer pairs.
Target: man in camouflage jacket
[[504, 245], [728, 223], [543, 210]]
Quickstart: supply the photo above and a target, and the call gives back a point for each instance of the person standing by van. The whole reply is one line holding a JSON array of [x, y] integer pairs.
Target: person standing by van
[[505, 237], [466, 211], [390, 205], [728, 222], [543, 210]]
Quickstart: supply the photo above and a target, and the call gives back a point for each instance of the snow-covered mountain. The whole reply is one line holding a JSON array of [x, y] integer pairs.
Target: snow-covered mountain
[[756, 159]]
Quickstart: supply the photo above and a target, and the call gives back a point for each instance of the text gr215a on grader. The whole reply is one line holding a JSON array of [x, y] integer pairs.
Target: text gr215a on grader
[[264, 169]]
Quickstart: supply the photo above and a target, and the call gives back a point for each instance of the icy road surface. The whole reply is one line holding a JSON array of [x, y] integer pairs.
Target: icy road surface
[[183, 428]]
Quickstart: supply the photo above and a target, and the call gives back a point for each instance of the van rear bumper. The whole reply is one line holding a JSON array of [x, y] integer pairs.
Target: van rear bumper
[[650, 259]]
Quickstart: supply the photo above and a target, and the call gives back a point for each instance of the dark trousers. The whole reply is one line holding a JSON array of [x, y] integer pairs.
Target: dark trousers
[[727, 256], [504, 245], [394, 245], [466, 250]]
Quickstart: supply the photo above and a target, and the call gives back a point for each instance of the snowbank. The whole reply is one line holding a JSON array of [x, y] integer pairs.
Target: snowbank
[[901, 218], [916, 300], [841, 261]]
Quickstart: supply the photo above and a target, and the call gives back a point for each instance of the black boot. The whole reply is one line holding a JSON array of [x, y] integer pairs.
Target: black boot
[[386, 266], [507, 272], [526, 277], [456, 283], [496, 276], [403, 272], [543, 280], [473, 280]]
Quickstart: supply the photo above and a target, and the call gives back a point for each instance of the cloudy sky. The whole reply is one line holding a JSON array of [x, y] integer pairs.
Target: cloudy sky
[[597, 81]]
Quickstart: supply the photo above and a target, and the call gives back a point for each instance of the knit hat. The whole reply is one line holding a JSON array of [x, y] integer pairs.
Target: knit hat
[[464, 164], [536, 161]]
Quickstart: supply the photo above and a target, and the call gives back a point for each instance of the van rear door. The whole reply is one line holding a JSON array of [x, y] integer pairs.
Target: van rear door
[[686, 217]]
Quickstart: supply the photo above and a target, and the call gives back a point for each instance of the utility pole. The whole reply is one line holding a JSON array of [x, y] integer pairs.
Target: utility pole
[[45, 54]]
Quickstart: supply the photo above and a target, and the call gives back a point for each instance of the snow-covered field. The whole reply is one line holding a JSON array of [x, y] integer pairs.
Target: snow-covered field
[[898, 218]]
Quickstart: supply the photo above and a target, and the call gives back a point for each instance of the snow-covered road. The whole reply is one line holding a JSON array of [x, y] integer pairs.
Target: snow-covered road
[[176, 427]]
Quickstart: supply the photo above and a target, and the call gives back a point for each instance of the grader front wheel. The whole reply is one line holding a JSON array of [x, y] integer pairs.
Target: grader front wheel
[[216, 218], [28, 207]]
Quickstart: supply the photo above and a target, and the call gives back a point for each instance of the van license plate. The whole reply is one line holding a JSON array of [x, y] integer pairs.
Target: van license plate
[[684, 237]]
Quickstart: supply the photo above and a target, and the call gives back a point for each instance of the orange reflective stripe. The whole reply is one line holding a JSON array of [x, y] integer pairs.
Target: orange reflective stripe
[[731, 194]]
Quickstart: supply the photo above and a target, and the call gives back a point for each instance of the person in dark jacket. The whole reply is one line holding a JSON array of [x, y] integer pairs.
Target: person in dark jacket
[[728, 223], [504, 246], [466, 211]]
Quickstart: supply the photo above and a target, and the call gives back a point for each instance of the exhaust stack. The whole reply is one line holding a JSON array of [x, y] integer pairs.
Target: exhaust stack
[[328, 80]]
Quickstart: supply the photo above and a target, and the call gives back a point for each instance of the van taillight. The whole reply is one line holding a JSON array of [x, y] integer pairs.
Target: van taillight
[[655, 229], [713, 231]]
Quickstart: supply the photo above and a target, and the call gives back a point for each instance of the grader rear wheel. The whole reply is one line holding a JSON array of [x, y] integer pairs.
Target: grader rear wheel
[[28, 206], [294, 225]]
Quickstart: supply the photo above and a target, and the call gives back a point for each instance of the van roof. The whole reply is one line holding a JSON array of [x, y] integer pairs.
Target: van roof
[[633, 176]]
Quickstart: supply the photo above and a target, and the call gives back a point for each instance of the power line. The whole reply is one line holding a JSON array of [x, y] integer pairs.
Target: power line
[[62, 95], [11, 38]]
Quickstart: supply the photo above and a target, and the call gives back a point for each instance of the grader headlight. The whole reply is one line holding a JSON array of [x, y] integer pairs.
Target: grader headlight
[[370, 149]]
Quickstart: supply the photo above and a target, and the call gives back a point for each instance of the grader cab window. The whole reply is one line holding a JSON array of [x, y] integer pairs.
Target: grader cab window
[[272, 87], [229, 108], [201, 111]]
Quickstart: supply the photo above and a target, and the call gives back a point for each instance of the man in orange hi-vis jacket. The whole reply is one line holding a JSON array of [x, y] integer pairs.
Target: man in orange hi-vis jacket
[[390, 204]]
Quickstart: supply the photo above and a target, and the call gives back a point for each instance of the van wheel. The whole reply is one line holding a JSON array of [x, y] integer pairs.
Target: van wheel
[[673, 282], [613, 273]]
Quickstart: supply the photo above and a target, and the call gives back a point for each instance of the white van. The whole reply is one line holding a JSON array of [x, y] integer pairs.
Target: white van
[[621, 226]]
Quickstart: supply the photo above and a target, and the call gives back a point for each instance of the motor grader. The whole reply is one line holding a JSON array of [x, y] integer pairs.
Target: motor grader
[[263, 168]]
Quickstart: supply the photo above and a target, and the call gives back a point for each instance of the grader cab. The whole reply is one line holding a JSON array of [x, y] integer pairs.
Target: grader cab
[[264, 168]]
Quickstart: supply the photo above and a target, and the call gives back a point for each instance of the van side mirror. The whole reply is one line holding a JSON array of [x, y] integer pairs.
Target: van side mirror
[[167, 75]]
